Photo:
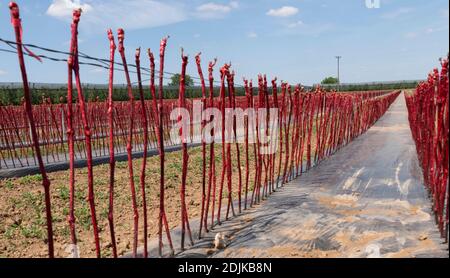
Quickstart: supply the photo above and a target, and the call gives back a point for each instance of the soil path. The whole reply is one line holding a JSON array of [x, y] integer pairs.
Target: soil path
[[367, 200]]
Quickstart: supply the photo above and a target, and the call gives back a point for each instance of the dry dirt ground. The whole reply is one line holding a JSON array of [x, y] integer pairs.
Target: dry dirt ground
[[22, 208], [367, 200]]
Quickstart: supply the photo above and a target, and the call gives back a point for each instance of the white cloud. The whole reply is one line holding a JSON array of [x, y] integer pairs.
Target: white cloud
[[284, 11], [295, 24], [2, 72], [214, 10], [130, 14], [397, 13], [64, 8], [252, 35]]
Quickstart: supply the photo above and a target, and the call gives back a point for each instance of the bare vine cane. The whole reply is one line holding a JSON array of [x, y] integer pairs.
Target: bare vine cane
[[228, 147], [238, 151], [112, 160], [246, 130], [184, 137], [281, 123], [70, 141], [212, 158], [158, 129], [87, 131], [256, 146], [203, 123], [253, 128], [223, 74], [276, 106], [16, 23], [121, 37], [144, 159], [162, 212]]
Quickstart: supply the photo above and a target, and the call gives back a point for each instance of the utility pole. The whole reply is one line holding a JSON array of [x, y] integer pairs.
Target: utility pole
[[339, 79]]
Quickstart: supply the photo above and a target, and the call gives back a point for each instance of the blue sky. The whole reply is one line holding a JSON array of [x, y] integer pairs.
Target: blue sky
[[296, 41]]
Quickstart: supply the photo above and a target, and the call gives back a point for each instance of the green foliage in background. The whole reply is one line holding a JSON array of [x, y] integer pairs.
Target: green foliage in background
[[330, 80], [13, 95], [175, 80]]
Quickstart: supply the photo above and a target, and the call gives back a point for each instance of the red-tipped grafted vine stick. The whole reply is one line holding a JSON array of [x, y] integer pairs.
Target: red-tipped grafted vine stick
[[255, 147], [287, 129], [87, 130], [295, 131], [203, 86], [153, 93], [184, 137], [273, 148], [282, 114], [121, 37], [212, 158], [162, 211], [144, 160], [238, 151], [159, 129], [268, 158], [277, 106], [228, 145], [247, 172], [258, 157], [310, 129], [223, 75], [112, 160], [16, 22], [70, 141]]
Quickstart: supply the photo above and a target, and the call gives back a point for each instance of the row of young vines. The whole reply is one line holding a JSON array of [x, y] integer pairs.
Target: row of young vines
[[310, 127], [16, 146], [429, 121]]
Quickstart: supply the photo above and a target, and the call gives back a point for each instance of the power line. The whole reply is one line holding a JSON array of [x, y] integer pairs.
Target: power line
[[104, 62]]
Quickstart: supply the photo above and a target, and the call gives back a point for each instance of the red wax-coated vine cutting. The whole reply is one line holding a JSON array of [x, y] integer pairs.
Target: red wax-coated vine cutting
[[112, 160], [259, 158], [223, 74], [87, 130], [228, 146], [253, 128], [263, 87], [287, 129], [70, 140], [212, 158], [121, 37], [162, 212], [238, 151], [282, 117], [16, 22], [276, 106], [246, 130], [183, 134], [203, 123], [144, 159]]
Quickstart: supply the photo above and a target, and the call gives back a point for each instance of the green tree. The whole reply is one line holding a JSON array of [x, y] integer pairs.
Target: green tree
[[330, 80], [175, 80]]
